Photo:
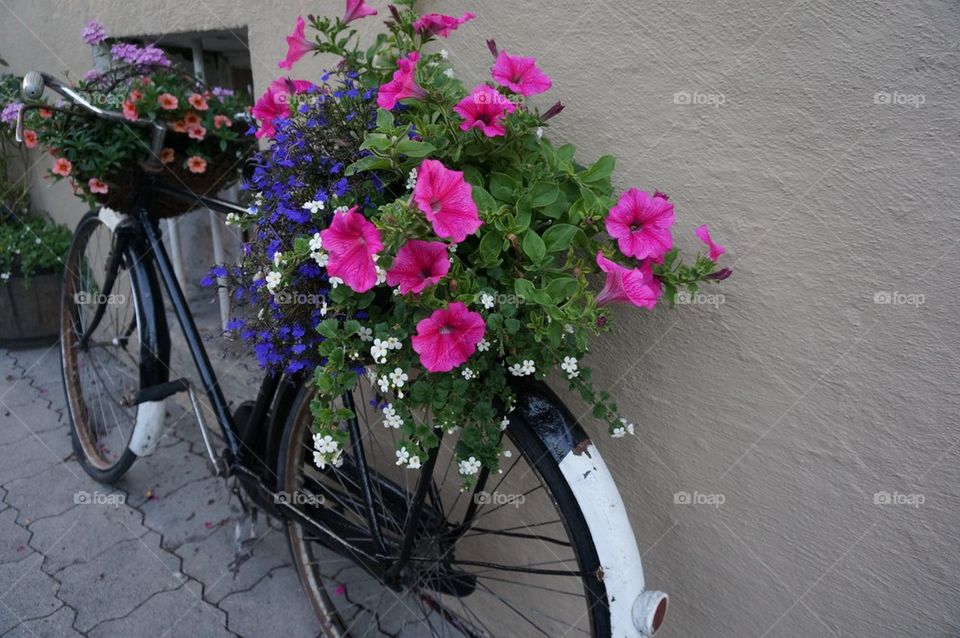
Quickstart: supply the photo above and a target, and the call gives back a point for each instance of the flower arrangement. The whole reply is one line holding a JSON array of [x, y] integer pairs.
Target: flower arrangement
[[13, 159], [445, 247], [31, 246], [141, 82]]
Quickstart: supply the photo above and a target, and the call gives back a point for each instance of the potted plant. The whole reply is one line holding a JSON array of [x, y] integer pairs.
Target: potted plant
[[101, 159], [431, 236]]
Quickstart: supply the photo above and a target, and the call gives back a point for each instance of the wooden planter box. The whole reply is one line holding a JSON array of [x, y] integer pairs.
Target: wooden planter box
[[30, 315]]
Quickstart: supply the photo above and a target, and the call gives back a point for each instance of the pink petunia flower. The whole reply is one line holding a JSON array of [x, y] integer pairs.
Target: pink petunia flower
[[197, 164], [129, 111], [62, 167], [198, 102], [484, 109], [97, 185], [520, 74], [418, 264], [275, 103], [168, 102], [403, 85], [197, 133], [447, 201], [29, 138], [715, 249], [297, 45], [641, 224], [357, 9], [352, 241], [437, 24], [219, 121], [637, 285], [448, 337]]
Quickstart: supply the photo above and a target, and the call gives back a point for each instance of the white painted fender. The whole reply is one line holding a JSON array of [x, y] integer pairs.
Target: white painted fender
[[110, 217], [606, 517], [146, 433]]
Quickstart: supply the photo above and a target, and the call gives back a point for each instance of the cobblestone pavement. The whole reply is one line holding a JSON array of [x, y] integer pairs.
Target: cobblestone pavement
[[148, 557]]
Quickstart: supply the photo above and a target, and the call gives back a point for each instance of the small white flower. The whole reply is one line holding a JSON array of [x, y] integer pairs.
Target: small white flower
[[37, 241], [444, 54], [341, 209], [539, 132], [515, 370], [469, 467], [232, 219], [277, 258], [528, 367], [569, 366], [487, 300], [5, 276], [618, 432], [403, 456], [316, 242], [381, 275], [483, 346], [390, 417], [449, 73], [378, 351], [629, 427], [507, 453], [365, 334], [504, 422], [398, 377], [453, 429], [452, 248], [412, 179], [273, 279], [392, 343], [320, 257], [384, 384], [314, 206], [568, 329], [335, 281], [323, 308], [468, 374], [414, 463], [325, 444]]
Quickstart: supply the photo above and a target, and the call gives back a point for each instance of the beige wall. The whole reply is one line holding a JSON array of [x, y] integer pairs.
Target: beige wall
[[798, 398]]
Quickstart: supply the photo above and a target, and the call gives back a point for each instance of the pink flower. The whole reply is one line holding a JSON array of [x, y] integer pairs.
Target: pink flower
[[520, 74], [197, 133], [97, 185], [715, 249], [357, 9], [641, 224], [198, 102], [352, 241], [441, 25], [129, 111], [297, 45], [637, 286], [29, 138], [484, 109], [168, 102], [219, 121], [275, 103], [448, 337], [447, 201], [418, 264], [62, 167], [403, 85], [197, 164]]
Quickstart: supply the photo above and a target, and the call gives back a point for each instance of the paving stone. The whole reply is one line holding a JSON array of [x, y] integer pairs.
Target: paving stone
[[15, 539], [26, 458], [162, 473], [113, 583], [180, 612], [277, 596], [84, 532], [57, 625], [192, 513], [26, 592], [209, 560], [53, 491]]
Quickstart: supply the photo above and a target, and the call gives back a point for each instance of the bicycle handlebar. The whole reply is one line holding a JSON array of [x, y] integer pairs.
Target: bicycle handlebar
[[34, 83]]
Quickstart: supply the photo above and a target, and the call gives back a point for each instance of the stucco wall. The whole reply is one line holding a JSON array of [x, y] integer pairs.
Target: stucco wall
[[797, 398]]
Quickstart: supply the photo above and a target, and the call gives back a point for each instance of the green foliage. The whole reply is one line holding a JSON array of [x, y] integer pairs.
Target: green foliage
[[31, 246]]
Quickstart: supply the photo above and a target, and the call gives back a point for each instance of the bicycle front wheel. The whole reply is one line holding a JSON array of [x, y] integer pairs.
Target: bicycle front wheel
[[524, 563]]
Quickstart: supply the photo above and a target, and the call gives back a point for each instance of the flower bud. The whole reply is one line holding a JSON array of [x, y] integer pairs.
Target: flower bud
[[553, 111], [720, 275], [492, 45]]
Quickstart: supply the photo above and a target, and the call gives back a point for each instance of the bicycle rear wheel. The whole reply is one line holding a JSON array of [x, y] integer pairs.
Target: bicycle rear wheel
[[525, 566], [102, 348]]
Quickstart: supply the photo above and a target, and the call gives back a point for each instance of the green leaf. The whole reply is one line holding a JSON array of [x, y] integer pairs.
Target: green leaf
[[490, 247], [503, 187], [521, 221], [565, 153], [600, 170], [533, 246], [368, 163], [558, 237], [412, 148], [525, 289], [384, 119], [513, 325], [376, 141], [543, 194], [329, 328], [483, 199], [562, 288]]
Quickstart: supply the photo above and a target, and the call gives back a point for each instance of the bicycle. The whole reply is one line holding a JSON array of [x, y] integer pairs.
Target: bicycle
[[543, 548]]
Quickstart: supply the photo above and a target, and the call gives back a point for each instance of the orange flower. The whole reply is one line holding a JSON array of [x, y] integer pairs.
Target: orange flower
[[130, 111], [136, 95], [221, 120], [97, 185], [45, 113], [197, 164], [198, 102], [192, 119], [179, 126], [62, 167], [166, 155], [197, 132], [30, 138], [168, 102]]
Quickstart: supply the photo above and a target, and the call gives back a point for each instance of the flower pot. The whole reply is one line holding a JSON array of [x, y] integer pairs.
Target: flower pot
[[30, 310]]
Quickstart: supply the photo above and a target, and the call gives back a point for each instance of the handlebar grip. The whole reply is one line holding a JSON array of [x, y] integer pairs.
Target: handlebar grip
[[33, 85]]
